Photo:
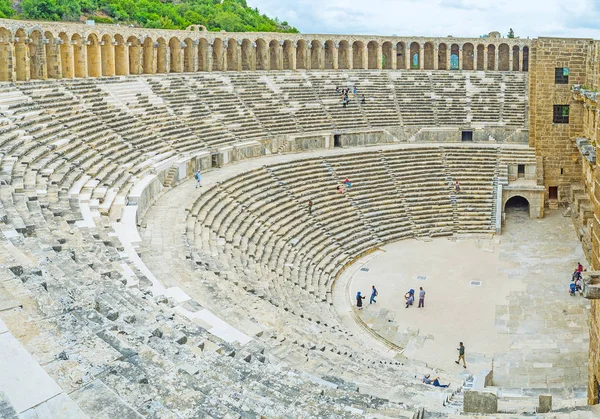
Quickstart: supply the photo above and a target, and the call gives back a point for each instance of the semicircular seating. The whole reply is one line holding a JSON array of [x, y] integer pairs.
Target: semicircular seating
[[72, 151]]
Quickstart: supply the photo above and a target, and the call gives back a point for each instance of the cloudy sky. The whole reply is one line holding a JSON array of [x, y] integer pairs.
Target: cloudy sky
[[464, 18]]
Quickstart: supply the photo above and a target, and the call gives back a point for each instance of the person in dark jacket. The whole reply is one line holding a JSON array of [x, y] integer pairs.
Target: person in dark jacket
[[359, 299]]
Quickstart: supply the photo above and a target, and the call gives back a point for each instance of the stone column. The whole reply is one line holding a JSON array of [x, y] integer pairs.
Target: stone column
[[56, 70], [209, 59], [496, 58], [407, 56], [378, 57], [154, 57], [167, 58], [280, 55], [475, 58], [460, 58], [448, 57], [238, 55], [80, 67], [510, 59], [485, 58], [182, 56], [335, 52], [520, 58], [394, 57], [42, 58], [436, 56], [252, 57], [292, 57], [308, 53], [365, 58], [7, 58], [421, 57], [195, 55]]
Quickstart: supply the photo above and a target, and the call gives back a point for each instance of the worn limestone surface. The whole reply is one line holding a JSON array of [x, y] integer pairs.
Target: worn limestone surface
[[480, 402]]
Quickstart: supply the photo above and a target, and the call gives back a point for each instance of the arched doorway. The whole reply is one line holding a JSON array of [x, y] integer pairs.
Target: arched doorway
[[525, 58], [428, 56], [274, 55], [480, 57], [79, 58], [232, 55], [315, 55], [289, 55], [66, 56], [443, 57], [37, 56], [491, 50], [329, 52], [247, 57], [94, 61], [202, 55], [400, 56], [135, 65], [6, 55], [261, 55], [301, 56], [358, 55], [515, 53], [467, 56], [121, 60], [387, 51], [454, 57], [344, 55], [21, 61], [503, 57], [516, 209], [148, 65], [415, 56], [217, 55]]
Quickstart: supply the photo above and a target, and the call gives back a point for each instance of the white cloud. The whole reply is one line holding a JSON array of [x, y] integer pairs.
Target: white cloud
[[461, 18]]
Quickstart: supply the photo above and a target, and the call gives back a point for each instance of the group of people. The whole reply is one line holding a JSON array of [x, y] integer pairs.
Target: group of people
[[347, 183], [575, 285], [410, 297], [344, 92]]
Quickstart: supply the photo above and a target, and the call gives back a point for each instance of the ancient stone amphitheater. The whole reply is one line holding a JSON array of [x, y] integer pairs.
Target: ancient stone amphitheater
[[125, 291]]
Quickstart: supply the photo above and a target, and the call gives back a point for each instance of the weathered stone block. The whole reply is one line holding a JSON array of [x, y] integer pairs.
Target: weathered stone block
[[480, 402], [544, 403]]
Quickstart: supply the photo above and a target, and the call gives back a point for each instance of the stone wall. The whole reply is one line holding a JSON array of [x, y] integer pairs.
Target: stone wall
[[554, 142]]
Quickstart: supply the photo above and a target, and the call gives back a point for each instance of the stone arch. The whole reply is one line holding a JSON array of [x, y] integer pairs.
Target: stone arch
[[518, 203], [515, 57], [175, 55], [37, 56], [302, 55], [135, 64], [401, 56], [107, 52], [454, 57], [443, 57], [503, 57], [428, 56], [94, 61], [358, 55], [344, 55], [387, 52], [148, 63], [79, 56], [66, 56], [232, 55], [491, 57], [480, 57], [188, 56], [274, 55], [21, 56], [248, 62], [202, 54], [288, 55], [217, 55], [415, 56], [329, 55], [262, 63], [6, 56], [468, 56], [121, 56], [315, 55], [372, 55], [525, 58]]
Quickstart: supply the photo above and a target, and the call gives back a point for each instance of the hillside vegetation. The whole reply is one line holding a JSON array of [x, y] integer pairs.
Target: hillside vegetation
[[228, 15]]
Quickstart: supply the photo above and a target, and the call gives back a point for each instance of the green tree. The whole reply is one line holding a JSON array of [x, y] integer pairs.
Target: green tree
[[511, 33], [5, 9]]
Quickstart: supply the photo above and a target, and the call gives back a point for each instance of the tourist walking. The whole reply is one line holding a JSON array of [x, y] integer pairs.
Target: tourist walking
[[363, 100], [310, 204], [198, 178], [374, 294], [359, 299], [434, 381], [457, 186], [348, 183], [421, 297], [461, 354]]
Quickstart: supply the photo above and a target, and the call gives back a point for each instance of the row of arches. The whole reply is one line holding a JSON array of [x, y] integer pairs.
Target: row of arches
[[40, 55]]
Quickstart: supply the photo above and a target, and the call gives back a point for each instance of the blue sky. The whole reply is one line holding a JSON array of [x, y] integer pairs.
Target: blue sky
[[462, 18]]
